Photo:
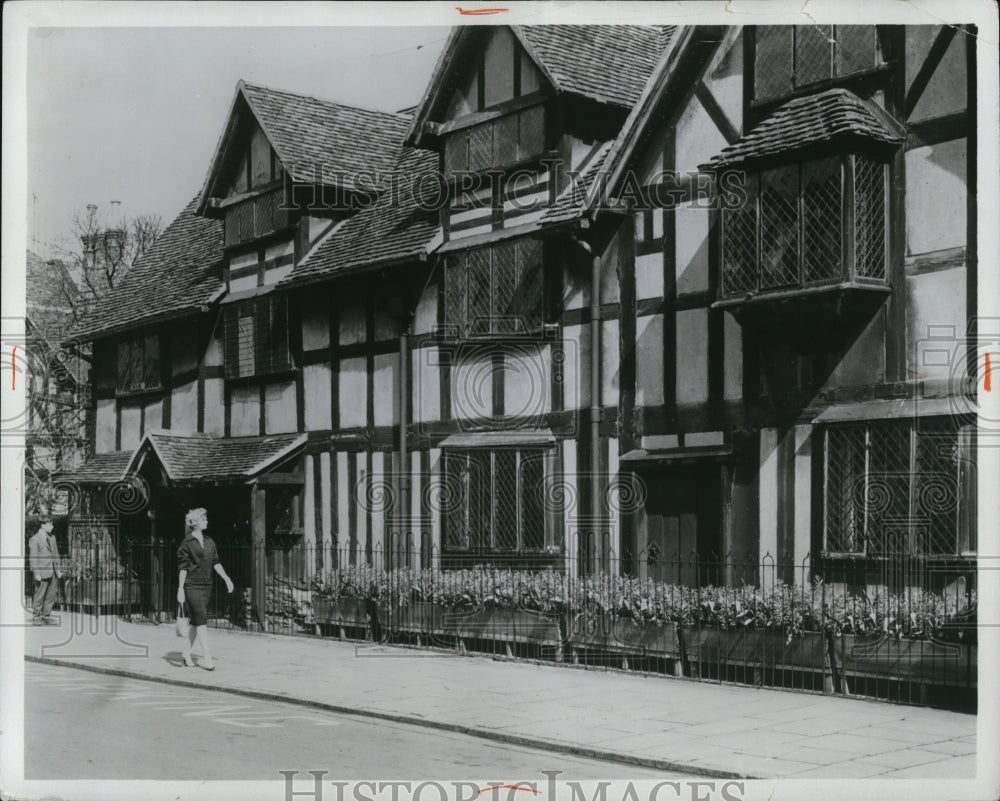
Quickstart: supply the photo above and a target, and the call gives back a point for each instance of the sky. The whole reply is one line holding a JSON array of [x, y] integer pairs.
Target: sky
[[135, 114]]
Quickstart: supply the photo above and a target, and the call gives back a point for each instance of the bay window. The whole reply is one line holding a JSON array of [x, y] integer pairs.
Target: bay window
[[810, 222]]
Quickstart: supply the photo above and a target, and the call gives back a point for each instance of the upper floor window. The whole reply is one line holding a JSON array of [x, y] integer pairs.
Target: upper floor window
[[255, 217], [495, 501], [256, 337], [495, 290], [139, 364], [500, 142], [900, 487], [805, 223], [789, 57]]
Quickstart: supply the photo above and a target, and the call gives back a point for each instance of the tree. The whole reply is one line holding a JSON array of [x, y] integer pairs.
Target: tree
[[106, 252]]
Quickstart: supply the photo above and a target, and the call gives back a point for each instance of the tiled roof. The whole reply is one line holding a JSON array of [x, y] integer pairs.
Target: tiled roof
[[394, 228], [609, 63], [200, 457], [576, 199], [181, 272], [307, 132], [832, 115], [100, 468], [49, 294]]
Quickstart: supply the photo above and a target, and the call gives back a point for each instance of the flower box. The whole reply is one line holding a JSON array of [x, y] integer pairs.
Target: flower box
[[344, 612], [500, 625], [757, 647], [918, 660], [609, 632], [416, 617]]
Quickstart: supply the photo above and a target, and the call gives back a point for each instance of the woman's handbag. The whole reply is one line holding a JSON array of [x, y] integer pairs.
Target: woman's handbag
[[183, 622]]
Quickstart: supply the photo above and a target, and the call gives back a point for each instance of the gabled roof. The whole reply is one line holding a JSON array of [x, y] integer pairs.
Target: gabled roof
[[100, 468], [394, 229], [606, 63], [196, 458], [681, 48], [309, 135], [834, 115], [181, 272]]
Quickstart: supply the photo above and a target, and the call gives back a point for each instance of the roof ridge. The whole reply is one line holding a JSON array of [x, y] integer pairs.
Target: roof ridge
[[327, 101]]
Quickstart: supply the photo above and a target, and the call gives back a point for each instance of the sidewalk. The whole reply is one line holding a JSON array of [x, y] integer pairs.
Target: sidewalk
[[673, 724]]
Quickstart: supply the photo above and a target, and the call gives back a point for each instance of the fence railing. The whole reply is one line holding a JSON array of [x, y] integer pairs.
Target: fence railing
[[902, 629]]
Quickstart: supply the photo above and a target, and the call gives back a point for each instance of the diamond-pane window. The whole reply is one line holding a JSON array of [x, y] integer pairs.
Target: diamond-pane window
[[494, 501], [139, 364], [869, 217], [256, 337], [896, 487], [495, 290], [793, 228], [790, 57], [822, 195], [779, 227], [513, 138]]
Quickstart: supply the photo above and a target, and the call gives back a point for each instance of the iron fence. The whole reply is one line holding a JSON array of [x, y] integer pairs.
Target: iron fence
[[902, 629]]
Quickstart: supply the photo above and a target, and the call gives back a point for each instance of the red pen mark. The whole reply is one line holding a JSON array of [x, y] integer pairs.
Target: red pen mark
[[987, 379], [914, 372], [13, 368], [474, 12], [508, 786]]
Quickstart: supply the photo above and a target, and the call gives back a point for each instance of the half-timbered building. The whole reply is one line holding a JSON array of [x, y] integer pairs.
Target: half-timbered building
[[431, 340]]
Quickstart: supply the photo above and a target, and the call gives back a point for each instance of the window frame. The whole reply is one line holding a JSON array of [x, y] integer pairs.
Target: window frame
[[268, 360], [756, 101], [848, 232], [147, 342], [486, 543], [965, 544], [462, 330]]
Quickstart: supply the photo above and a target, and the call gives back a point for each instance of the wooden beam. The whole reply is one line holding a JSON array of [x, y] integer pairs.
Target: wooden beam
[[926, 72], [269, 479]]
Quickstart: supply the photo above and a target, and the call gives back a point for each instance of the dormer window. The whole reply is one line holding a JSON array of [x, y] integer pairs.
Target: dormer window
[[495, 117], [790, 57]]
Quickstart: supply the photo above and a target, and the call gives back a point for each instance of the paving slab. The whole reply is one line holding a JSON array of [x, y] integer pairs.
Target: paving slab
[[705, 728]]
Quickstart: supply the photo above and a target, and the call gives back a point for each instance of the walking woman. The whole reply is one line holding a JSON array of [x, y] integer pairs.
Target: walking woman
[[197, 557]]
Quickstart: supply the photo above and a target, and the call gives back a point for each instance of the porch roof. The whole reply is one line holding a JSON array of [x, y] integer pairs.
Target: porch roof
[[201, 458], [897, 409], [834, 115], [668, 456], [100, 468]]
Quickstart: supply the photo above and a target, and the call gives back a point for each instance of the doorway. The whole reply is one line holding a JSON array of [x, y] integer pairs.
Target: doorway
[[679, 535]]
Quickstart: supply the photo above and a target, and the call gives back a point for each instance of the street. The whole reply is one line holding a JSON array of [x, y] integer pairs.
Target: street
[[83, 725]]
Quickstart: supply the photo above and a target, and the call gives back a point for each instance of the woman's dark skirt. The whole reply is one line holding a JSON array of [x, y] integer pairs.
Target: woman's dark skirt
[[196, 598]]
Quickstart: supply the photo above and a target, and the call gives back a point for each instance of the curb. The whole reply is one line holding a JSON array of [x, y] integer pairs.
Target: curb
[[413, 720]]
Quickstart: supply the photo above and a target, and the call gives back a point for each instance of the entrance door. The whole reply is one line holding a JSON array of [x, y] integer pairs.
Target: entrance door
[[683, 525]]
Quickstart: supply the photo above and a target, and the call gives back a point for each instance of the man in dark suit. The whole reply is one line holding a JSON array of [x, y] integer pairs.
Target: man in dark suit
[[43, 558]]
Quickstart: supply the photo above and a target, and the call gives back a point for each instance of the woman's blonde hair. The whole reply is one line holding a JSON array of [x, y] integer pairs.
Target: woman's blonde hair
[[192, 517]]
